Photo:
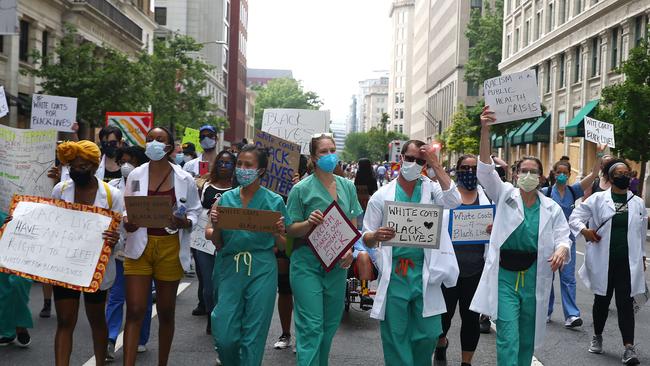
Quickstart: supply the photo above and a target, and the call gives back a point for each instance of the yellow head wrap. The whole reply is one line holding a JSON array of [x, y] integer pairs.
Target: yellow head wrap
[[70, 150]]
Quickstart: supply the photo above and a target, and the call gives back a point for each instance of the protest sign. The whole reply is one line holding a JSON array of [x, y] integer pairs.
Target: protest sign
[[149, 211], [231, 218], [513, 97], [134, 125], [296, 125], [8, 17], [4, 108], [331, 239], [50, 112], [57, 242], [416, 225], [363, 196], [192, 135], [25, 158], [284, 160], [198, 240], [599, 132], [468, 225]]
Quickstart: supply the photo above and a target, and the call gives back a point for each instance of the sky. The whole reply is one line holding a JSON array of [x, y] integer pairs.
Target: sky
[[330, 45]]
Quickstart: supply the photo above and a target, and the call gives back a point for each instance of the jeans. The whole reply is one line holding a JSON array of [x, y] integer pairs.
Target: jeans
[[115, 308], [204, 267], [567, 288]]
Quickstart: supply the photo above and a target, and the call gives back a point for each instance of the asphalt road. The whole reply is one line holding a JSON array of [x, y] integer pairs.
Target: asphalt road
[[356, 343]]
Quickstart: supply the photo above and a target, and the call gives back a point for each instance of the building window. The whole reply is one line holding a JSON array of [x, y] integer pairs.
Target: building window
[[639, 32], [396, 113], [550, 18], [401, 113], [45, 44], [562, 69], [615, 57], [577, 72], [516, 45], [396, 97], [23, 43], [577, 7], [508, 45], [538, 25], [476, 4], [526, 32], [547, 78], [472, 89], [561, 119], [536, 69], [401, 128], [161, 15], [2, 44], [563, 5], [401, 97], [595, 56]]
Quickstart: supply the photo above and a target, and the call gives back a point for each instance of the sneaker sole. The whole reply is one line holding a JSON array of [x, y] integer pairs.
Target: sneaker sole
[[598, 352], [24, 345], [281, 347], [576, 323], [632, 361]]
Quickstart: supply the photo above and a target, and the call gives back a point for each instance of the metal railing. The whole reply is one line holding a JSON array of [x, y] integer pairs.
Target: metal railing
[[114, 14]]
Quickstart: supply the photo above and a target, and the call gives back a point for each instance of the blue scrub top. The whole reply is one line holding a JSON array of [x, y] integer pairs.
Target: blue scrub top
[[568, 201]]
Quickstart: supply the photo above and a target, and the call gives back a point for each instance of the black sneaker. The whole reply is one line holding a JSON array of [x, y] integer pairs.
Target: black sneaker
[[46, 312], [629, 356], [199, 311], [441, 353], [5, 341], [23, 339], [366, 302], [485, 324]]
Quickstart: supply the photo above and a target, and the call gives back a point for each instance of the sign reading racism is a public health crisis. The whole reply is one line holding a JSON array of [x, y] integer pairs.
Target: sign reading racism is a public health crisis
[[513, 97], [416, 225]]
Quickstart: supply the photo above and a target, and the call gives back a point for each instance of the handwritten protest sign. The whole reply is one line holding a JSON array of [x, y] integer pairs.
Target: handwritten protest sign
[[52, 112], [134, 125], [25, 158], [416, 225], [245, 219], [149, 211], [513, 97], [468, 225], [284, 160], [198, 240], [331, 239], [296, 125], [4, 108], [192, 135], [57, 242], [599, 132]]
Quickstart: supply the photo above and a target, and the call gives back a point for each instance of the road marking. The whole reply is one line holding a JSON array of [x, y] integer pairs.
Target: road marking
[[119, 342], [536, 362]]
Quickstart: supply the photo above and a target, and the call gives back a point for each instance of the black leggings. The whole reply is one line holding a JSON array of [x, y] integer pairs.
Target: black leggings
[[618, 280], [462, 293]]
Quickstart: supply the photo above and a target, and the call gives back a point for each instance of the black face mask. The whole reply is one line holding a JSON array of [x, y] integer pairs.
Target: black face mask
[[81, 177], [108, 150], [621, 182]]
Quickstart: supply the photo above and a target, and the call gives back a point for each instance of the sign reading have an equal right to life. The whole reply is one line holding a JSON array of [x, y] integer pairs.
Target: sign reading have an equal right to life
[[599, 132], [513, 97], [468, 225], [416, 225], [296, 125], [284, 160], [51, 112], [332, 239]]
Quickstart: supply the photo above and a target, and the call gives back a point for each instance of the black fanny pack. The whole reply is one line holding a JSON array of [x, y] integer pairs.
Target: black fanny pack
[[516, 260]]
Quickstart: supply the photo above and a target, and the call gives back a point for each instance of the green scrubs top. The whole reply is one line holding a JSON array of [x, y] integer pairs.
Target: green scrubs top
[[524, 238], [618, 238], [236, 241]]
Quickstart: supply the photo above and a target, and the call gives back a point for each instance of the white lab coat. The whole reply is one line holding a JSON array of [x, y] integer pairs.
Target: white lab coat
[[119, 183], [65, 190], [553, 233], [192, 166], [184, 187], [440, 266], [600, 208]]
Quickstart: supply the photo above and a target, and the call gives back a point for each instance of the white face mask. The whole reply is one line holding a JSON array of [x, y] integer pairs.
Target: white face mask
[[411, 171], [126, 169], [527, 181]]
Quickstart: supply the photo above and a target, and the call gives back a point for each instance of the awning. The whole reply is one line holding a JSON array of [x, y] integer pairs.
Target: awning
[[576, 128], [511, 135], [518, 138], [498, 142], [540, 131]]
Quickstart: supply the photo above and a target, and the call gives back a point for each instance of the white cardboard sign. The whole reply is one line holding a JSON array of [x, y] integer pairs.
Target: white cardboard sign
[[331, 239], [599, 132], [198, 240], [4, 108], [51, 112], [468, 225], [416, 225], [513, 97], [296, 125]]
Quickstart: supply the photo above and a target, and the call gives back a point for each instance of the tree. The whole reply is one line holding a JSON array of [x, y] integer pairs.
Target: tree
[[626, 106], [283, 93], [372, 144], [485, 34], [383, 122], [463, 134]]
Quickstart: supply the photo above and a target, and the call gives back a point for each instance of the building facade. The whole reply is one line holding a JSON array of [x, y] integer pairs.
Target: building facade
[[236, 80], [401, 69], [351, 122], [372, 103], [575, 47], [420, 125], [126, 26], [261, 77], [251, 95]]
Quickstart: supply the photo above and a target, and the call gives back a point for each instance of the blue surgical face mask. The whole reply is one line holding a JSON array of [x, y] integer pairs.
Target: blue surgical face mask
[[561, 179], [246, 177], [327, 163], [155, 150], [180, 158]]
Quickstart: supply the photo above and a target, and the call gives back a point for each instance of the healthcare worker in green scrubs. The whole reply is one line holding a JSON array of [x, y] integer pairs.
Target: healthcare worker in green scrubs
[[530, 240], [318, 295], [248, 273], [409, 300], [15, 316]]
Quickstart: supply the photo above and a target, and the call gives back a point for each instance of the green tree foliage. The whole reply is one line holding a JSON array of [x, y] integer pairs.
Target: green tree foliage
[[372, 144], [485, 34], [283, 93], [462, 136], [626, 106]]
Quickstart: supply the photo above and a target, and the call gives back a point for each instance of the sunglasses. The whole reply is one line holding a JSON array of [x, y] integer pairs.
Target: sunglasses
[[411, 159], [467, 168], [225, 164], [110, 143]]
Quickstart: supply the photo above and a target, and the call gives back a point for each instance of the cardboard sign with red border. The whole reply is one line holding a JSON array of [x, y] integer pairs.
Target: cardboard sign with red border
[[332, 239], [104, 255]]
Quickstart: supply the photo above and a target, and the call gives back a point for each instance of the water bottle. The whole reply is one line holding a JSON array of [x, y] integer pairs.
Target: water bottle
[[179, 212]]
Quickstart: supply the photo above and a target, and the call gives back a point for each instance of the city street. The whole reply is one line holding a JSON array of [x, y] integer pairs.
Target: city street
[[357, 341]]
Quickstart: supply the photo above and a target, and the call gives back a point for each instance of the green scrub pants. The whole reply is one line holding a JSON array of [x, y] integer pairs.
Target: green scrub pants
[[516, 317], [408, 339], [241, 319], [14, 304], [318, 298]]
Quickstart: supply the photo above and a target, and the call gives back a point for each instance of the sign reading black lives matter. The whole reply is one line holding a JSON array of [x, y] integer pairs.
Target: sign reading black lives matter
[[50, 112], [513, 97], [416, 225]]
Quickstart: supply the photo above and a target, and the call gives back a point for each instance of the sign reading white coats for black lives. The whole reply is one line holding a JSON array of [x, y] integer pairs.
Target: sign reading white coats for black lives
[[416, 225], [50, 112], [296, 125], [599, 132], [284, 159], [513, 97], [468, 225]]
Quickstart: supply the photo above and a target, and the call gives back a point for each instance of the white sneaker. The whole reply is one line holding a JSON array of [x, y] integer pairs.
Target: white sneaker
[[218, 361], [142, 348], [110, 351], [283, 342], [573, 322], [548, 319]]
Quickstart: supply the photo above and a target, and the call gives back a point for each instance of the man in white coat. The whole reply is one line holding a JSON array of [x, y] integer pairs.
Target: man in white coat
[[530, 240], [409, 298]]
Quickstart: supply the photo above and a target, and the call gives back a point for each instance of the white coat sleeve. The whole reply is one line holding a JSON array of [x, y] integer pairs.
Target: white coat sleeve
[[561, 232], [449, 199], [374, 213], [490, 180], [193, 202], [581, 216]]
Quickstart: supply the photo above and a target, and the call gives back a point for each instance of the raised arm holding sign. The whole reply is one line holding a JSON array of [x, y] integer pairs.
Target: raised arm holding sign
[[513, 97]]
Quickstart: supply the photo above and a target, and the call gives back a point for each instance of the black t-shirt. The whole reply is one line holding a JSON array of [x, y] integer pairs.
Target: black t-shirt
[[211, 194], [470, 257], [109, 176]]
